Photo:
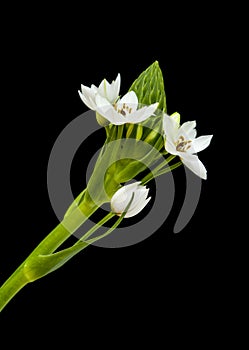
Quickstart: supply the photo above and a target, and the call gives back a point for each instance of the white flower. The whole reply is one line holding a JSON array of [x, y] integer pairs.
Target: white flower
[[106, 90], [182, 141], [105, 101], [124, 110], [122, 197]]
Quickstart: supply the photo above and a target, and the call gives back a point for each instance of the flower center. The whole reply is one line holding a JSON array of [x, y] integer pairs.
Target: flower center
[[182, 145], [123, 110]]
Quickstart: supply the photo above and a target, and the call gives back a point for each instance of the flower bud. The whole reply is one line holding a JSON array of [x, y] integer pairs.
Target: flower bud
[[149, 87], [123, 196]]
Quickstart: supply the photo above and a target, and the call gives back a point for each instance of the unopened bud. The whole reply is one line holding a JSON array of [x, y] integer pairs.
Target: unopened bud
[[149, 87]]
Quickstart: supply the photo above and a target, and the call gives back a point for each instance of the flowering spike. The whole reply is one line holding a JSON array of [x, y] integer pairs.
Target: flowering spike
[[149, 87]]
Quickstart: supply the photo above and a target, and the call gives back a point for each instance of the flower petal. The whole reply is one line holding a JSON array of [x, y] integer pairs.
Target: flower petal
[[116, 88], [102, 88], [110, 91], [194, 164], [123, 195], [102, 102], [119, 204], [94, 88], [200, 143], [88, 92], [130, 99], [106, 110], [131, 187], [88, 100], [170, 127], [110, 114], [141, 194], [192, 134], [134, 211], [170, 147], [141, 114], [187, 130]]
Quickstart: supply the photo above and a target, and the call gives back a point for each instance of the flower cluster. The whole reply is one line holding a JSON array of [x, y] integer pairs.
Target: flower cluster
[[179, 140]]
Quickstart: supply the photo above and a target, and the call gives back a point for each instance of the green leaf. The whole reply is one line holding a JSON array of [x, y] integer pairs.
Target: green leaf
[[39, 266], [149, 87]]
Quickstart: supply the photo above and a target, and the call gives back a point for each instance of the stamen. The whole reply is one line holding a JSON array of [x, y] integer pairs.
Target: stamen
[[123, 110], [182, 145]]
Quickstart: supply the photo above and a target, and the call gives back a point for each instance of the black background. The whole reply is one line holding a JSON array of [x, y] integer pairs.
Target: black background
[[47, 59]]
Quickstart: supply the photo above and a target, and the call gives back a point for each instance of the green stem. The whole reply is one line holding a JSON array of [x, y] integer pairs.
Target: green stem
[[116, 223], [12, 286], [95, 228], [42, 260], [65, 228], [156, 170], [107, 130], [167, 170], [90, 241], [49, 244], [25, 273], [120, 131], [164, 163]]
